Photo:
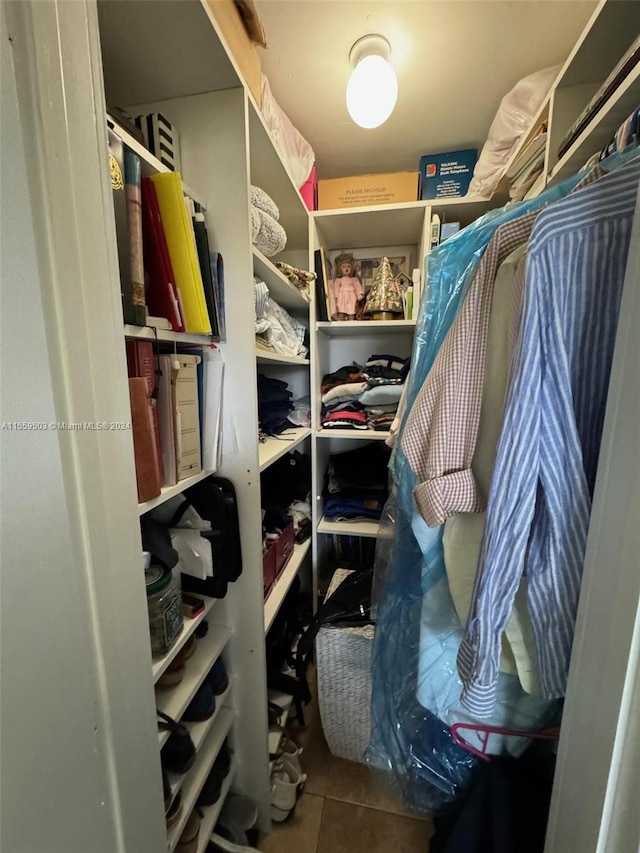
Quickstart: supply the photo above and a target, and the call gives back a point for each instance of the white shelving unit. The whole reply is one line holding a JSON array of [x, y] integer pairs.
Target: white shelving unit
[[189, 626], [197, 775], [266, 357], [354, 327], [277, 446], [212, 813], [368, 529], [169, 492], [174, 700], [351, 434]]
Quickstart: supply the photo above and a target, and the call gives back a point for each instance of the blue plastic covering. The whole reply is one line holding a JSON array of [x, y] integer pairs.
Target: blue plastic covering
[[411, 590]]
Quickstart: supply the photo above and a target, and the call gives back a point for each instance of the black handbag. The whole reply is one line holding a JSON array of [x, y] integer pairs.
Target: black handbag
[[214, 499]]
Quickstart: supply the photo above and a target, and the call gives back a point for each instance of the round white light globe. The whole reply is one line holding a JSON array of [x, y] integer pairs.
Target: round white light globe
[[372, 92]]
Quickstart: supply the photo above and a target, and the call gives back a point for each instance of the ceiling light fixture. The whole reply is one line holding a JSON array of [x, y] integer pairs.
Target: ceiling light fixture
[[372, 90]]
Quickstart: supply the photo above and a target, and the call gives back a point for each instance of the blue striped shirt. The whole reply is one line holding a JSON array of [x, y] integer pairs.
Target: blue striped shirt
[[540, 499]]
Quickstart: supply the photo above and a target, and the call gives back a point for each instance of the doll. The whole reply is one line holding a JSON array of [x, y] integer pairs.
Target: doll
[[345, 291]]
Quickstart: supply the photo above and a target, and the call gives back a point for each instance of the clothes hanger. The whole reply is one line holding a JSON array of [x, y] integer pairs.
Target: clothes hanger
[[484, 731]]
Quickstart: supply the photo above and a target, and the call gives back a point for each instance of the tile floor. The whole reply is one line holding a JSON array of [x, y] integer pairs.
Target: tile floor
[[345, 807]]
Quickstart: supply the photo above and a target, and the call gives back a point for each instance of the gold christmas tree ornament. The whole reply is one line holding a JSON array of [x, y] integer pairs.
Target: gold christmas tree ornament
[[385, 297]]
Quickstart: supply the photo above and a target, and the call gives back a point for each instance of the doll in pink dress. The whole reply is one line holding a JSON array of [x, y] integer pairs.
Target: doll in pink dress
[[345, 292]]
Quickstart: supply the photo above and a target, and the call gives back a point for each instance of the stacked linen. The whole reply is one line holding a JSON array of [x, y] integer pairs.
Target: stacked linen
[[267, 234], [364, 396], [356, 483], [276, 330]]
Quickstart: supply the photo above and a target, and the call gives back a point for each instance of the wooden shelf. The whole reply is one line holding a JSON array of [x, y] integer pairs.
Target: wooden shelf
[[349, 328], [273, 448], [160, 664], [282, 584], [212, 813], [171, 491], [349, 528], [601, 128], [149, 333], [281, 289], [196, 777], [362, 434], [266, 357], [174, 700]]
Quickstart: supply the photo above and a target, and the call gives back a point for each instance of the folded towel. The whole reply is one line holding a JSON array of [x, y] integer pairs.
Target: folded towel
[[262, 201], [271, 237]]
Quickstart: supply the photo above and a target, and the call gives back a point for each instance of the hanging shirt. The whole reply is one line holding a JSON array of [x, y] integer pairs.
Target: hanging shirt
[[540, 498], [439, 437]]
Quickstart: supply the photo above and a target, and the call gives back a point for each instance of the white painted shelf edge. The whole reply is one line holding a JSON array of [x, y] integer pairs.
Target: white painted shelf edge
[[199, 732], [212, 813], [273, 448], [280, 288], [349, 528], [159, 665], [174, 700], [153, 165], [364, 327], [368, 434], [169, 492], [264, 356], [150, 333], [282, 584], [405, 205], [199, 772]]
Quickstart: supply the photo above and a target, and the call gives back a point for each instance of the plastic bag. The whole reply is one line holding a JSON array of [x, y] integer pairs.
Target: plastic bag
[[294, 149], [516, 110], [417, 629]]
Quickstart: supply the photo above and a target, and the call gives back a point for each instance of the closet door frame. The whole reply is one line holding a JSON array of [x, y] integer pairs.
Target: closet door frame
[[594, 802]]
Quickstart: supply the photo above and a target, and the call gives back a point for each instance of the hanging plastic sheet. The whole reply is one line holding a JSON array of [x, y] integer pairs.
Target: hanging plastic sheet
[[417, 629]]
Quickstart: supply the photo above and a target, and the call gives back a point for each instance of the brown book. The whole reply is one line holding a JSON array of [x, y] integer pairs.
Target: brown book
[[148, 475], [141, 362]]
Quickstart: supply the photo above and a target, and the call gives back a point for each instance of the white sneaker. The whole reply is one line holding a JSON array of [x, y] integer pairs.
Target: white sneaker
[[292, 753], [221, 844], [284, 789]]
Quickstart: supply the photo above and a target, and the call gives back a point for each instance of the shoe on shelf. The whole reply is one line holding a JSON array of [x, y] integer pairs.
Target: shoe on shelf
[[189, 647], [188, 841], [201, 706], [178, 753], [213, 783], [284, 791], [218, 678], [173, 674], [202, 629]]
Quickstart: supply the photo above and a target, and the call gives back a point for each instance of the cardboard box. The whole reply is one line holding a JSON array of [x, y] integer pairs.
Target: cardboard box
[[447, 175], [362, 190]]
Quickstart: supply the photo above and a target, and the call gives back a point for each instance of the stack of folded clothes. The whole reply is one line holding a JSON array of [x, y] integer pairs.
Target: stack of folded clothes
[[364, 396], [356, 483], [274, 405], [276, 330]]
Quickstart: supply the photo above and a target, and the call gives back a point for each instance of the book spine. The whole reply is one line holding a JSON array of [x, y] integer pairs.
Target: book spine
[[132, 173], [148, 478], [202, 246], [141, 364], [116, 170]]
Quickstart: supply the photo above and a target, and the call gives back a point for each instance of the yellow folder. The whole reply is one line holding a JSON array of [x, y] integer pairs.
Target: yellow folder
[[182, 251]]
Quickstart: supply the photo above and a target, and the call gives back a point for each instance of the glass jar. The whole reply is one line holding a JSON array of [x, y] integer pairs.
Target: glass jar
[[164, 603]]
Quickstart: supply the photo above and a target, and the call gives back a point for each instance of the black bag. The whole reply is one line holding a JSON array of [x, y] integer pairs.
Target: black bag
[[214, 499]]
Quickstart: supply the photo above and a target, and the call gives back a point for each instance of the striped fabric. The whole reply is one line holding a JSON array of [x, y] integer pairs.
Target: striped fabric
[[439, 438], [545, 470]]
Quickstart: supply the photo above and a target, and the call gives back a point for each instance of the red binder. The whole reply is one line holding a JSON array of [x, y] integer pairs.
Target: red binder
[[140, 363], [148, 477], [162, 293]]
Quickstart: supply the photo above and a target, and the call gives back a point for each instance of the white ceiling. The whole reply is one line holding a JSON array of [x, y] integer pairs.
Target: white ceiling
[[455, 60]]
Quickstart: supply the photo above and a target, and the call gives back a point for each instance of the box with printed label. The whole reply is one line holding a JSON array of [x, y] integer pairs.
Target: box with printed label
[[447, 175], [362, 190]]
